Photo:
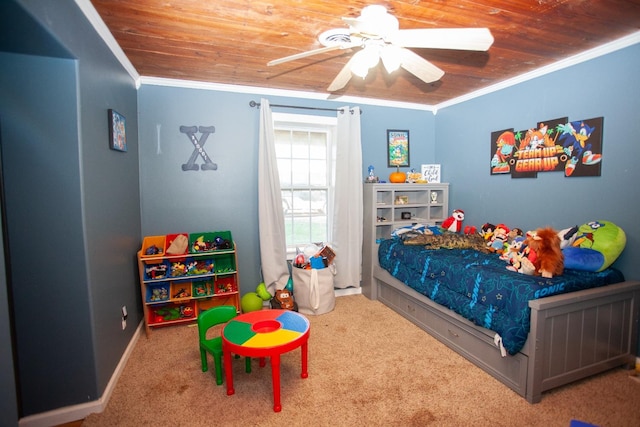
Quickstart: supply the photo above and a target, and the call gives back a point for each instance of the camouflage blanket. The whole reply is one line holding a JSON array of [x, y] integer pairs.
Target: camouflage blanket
[[449, 240]]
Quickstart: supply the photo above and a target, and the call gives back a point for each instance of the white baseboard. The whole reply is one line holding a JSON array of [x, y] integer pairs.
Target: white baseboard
[[347, 291], [78, 412]]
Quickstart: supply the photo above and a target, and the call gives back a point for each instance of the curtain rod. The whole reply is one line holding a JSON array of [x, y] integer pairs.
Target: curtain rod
[[257, 104]]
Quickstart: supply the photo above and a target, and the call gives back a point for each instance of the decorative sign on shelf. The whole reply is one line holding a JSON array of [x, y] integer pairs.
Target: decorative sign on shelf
[[558, 145], [431, 173]]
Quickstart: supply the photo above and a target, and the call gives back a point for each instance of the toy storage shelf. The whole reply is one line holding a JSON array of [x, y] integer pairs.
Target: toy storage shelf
[[176, 287], [389, 206]]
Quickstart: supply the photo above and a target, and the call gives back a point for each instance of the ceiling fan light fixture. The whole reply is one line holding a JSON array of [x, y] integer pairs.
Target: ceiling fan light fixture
[[363, 60], [391, 58], [375, 20]]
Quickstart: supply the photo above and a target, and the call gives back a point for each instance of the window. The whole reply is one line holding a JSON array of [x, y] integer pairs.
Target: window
[[304, 151]]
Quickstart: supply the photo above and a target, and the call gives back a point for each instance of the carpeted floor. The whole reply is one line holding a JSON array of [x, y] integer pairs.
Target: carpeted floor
[[367, 366]]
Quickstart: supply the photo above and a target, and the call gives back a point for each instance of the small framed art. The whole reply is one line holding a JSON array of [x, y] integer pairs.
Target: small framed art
[[402, 200], [397, 148], [117, 135]]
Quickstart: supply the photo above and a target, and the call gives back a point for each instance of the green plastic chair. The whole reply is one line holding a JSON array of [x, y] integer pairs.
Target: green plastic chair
[[206, 320]]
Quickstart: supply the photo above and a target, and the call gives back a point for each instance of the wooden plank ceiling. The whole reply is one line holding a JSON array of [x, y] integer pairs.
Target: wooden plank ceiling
[[231, 41]]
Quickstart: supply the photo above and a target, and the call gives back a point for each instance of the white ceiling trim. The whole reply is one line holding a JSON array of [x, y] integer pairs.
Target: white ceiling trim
[[256, 90]]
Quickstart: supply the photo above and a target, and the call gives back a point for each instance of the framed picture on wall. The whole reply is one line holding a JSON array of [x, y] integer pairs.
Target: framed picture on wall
[[397, 148], [117, 135]]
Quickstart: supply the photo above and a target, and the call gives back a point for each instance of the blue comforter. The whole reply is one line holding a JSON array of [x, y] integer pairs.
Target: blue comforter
[[479, 287]]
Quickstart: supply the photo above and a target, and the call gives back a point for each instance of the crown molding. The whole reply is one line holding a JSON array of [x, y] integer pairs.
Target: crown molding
[[256, 90]]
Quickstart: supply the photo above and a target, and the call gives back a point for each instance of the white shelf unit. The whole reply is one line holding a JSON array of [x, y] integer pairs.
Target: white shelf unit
[[389, 206]]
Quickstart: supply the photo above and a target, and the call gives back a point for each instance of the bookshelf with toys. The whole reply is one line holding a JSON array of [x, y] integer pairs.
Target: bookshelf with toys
[[182, 274]]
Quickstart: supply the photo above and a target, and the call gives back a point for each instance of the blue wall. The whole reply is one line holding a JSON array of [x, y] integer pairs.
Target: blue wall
[[52, 185], [607, 87], [72, 205], [226, 199]]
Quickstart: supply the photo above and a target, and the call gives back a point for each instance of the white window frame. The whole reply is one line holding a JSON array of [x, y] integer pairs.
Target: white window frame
[[309, 123]]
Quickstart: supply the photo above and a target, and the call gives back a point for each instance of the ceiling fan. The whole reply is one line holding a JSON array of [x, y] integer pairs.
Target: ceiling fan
[[379, 36]]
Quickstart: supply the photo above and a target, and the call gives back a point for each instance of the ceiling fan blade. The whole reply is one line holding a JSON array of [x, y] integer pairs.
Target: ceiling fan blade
[[444, 38], [305, 54], [419, 67], [342, 78]]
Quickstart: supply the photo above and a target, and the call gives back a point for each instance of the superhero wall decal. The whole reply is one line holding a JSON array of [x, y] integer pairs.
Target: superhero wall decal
[[560, 145]]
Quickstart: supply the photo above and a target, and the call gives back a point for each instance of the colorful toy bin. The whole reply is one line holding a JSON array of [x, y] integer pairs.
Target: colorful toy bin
[[156, 271], [224, 285], [225, 263], [172, 312], [153, 246], [210, 241], [158, 293], [202, 288], [181, 291], [177, 244]]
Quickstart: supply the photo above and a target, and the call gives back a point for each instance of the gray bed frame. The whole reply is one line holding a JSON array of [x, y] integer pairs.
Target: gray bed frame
[[572, 336]]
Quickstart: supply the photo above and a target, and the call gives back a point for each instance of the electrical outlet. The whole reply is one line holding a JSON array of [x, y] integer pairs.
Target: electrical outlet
[[124, 317]]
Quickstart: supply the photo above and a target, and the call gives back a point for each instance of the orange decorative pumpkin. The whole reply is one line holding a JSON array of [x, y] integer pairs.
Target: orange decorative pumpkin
[[397, 177]]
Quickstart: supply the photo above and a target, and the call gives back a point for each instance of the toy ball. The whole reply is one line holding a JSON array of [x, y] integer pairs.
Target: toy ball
[[250, 302]]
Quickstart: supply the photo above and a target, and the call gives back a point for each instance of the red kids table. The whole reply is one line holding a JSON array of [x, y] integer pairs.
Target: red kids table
[[265, 333]]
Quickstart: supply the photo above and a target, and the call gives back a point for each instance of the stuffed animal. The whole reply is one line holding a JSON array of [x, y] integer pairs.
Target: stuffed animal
[[513, 249], [596, 245], [486, 231], [514, 234], [498, 241], [567, 236], [516, 256], [470, 229], [542, 248], [454, 222], [521, 264]]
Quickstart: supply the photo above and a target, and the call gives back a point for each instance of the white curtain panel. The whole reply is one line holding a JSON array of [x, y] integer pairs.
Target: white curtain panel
[[273, 246], [347, 219]]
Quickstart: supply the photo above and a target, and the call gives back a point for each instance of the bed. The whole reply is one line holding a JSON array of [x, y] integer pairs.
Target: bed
[[566, 328]]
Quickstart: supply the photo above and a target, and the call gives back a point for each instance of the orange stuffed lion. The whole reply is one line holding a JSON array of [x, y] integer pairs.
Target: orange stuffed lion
[[542, 248]]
